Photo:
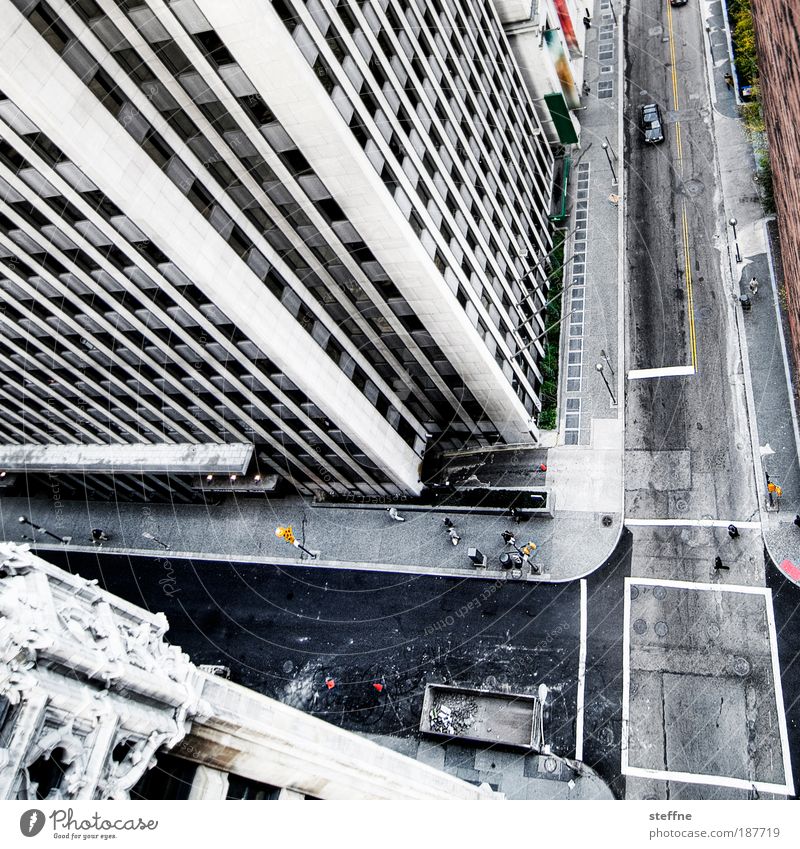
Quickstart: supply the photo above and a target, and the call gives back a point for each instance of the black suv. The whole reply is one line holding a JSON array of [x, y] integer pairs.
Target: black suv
[[651, 123]]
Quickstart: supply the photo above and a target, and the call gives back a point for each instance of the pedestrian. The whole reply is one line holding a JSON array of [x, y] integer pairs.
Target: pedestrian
[[98, 535], [728, 80], [586, 89], [753, 285], [797, 521], [515, 515], [393, 514], [587, 18], [733, 531], [718, 564], [508, 538], [451, 531]]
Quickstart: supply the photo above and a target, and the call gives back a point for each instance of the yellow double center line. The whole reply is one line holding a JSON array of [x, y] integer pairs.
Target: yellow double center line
[[684, 219]]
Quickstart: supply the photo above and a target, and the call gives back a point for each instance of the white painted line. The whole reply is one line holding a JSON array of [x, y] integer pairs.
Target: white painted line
[[692, 585], [669, 371], [626, 675], [787, 372], [692, 523], [776, 675], [714, 780], [581, 677], [701, 778]]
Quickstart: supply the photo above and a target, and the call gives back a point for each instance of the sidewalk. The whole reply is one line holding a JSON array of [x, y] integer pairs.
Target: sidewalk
[[769, 370], [584, 456]]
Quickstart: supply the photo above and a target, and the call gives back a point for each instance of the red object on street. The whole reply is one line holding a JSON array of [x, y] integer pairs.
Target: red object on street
[[330, 683], [378, 687], [542, 467]]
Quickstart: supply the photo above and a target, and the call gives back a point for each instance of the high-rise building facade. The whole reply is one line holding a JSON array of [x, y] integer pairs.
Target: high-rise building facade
[[319, 228]]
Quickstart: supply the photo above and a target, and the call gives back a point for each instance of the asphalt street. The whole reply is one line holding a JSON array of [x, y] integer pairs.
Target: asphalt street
[[287, 632], [786, 604], [676, 250], [688, 450]]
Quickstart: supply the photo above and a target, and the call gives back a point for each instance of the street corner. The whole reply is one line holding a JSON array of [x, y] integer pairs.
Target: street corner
[[782, 541], [582, 543], [702, 700]]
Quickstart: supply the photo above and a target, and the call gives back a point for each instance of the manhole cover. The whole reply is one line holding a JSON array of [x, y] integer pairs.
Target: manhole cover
[[550, 764], [712, 629], [741, 666], [288, 666], [606, 736], [661, 629], [693, 187], [681, 506], [659, 592], [640, 626], [634, 593], [607, 521]]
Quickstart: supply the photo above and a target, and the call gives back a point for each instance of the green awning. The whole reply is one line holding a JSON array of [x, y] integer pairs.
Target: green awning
[[559, 112], [560, 191]]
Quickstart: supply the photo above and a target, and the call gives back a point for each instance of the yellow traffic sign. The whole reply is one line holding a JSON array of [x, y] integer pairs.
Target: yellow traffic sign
[[286, 533]]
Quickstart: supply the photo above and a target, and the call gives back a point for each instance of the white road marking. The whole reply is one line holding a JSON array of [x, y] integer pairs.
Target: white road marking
[[694, 585], [702, 778], [715, 780], [692, 523], [626, 675], [669, 371], [581, 677]]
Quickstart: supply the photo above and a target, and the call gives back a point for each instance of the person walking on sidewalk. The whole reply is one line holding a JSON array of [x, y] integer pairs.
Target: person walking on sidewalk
[[718, 564], [587, 19], [753, 285], [733, 531], [451, 531], [393, 514], [729, 80], [99, 535]]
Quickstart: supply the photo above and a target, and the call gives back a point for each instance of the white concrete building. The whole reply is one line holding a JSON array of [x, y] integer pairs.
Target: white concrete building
[[296, 225], [548, 38]]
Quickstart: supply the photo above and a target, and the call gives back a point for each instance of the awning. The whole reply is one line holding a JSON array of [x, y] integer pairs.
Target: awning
[[560, 191], [562, 118], [180, 458]]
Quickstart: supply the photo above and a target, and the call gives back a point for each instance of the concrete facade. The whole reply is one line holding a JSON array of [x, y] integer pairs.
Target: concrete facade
[[548, 38], [299, 228], [779, 69]]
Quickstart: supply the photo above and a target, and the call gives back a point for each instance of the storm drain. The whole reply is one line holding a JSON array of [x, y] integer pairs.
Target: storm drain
[[575, 308]]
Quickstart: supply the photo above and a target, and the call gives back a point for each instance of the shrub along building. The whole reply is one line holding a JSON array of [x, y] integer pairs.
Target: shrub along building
[[313, 230]]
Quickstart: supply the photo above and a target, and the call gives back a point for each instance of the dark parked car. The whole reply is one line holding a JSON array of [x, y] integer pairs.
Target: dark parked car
[[651, 123], [678, 2]]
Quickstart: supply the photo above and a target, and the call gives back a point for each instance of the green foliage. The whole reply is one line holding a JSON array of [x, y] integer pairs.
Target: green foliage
[[744, 41], [549, 364], [765, 179], [752, 114]]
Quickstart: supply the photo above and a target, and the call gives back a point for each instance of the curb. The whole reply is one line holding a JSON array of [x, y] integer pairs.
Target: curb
[[479, 573]]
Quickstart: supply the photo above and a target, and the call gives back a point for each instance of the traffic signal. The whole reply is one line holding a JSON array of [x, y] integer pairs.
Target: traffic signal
[[286, 533]]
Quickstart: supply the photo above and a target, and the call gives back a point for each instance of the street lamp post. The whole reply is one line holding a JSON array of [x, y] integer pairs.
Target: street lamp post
[[604, 145], [604, 355], [733, 222], [599, 367], [24, 520], [148, 535]]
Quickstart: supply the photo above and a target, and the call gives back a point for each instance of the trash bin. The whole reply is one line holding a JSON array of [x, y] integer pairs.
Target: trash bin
[[510, 560]]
